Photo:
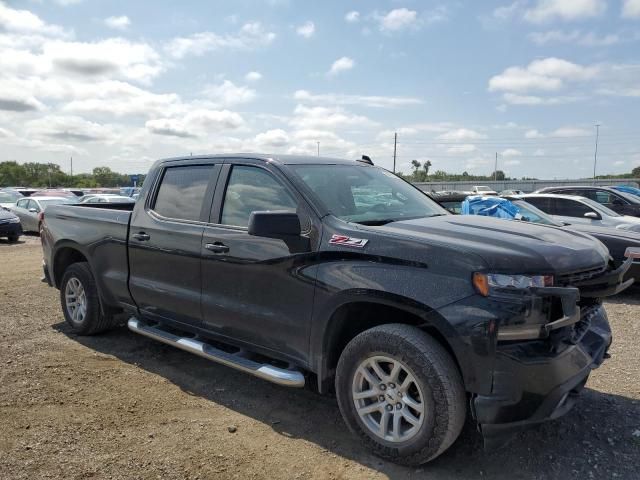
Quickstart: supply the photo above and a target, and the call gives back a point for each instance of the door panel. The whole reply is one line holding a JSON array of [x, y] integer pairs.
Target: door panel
[[256, 290], [165, 240]]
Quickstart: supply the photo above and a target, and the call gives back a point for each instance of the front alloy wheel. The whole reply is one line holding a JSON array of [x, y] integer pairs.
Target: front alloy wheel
[[388, 399]]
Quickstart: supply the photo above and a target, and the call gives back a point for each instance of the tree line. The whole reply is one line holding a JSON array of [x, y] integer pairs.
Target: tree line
[[420, 173], [50, 175]]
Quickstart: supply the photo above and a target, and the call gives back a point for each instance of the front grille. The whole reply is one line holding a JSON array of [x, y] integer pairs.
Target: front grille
[[580, 275]]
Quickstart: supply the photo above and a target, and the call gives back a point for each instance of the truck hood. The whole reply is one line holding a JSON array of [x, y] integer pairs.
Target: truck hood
[[506, 246]]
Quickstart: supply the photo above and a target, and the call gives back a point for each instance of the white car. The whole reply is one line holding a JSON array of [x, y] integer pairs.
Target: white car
[[8, 199], [106, 198], [574, 209], [30, 209], [483, 190]]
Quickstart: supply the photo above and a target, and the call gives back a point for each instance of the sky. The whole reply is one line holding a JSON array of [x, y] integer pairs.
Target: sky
[[121, 84]]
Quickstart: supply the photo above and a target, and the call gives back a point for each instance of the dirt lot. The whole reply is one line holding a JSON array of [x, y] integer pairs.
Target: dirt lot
[[123, 406]]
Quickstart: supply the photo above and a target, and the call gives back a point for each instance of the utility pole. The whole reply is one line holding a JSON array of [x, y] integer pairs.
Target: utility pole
[[395, 146], [318, 148], [495, 169], [71, 166], [595, 154]]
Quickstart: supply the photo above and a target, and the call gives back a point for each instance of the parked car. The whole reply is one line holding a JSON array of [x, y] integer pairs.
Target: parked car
[[575, 209], [452, 201], [56, 193], [616, 240], [620, 202], [283, 267], [10, 225], [483, 190], [627, 189], [31, 210], [106, 198], [9, 198], [512, 192]]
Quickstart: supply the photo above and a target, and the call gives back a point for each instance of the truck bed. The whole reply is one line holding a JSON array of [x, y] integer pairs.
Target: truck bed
[[100, 232]]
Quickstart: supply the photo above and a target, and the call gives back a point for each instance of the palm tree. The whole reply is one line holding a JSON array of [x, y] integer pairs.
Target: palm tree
[[426, 165]]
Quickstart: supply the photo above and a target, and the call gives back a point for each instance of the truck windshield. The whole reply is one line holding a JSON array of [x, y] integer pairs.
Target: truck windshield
[[366, 195]]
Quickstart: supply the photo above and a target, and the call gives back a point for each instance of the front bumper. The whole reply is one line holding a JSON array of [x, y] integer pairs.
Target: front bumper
[[10, 229], [535, 381]]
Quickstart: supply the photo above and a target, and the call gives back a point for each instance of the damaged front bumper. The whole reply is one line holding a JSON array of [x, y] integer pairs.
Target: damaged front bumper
[[539, 379], [533, 383]]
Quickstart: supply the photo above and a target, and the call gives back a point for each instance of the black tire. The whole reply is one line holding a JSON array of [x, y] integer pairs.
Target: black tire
[[94, 321], [13, 238], [436, 375]]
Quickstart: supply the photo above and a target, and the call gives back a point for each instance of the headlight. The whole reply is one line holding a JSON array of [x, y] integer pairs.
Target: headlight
[[485, 283], [14, 220]]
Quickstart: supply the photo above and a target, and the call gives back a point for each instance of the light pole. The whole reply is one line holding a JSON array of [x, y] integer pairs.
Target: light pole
[[595, 154]]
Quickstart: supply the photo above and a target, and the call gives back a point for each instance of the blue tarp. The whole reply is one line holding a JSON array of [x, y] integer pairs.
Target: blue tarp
[[628, 189], [490, 207]]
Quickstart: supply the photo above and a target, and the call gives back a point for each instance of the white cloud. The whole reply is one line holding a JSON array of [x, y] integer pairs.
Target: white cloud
[[253, 76], [23, 21], [512, 162], [341, 65], [227, 94], [306, 30], [327, 118], [66, 3], [118, 23], [398, 19], [464, 148], [571, 132], [568, 10], [68, 128], [631, 9], [461, 134], [533, 133], [272, 138], [352, 17], [507, 12], [119, 99], [110, 57], [16, 100], [249, 37], [196, 123], [575, 37], [511, 152], [376, 101], [545, 76]]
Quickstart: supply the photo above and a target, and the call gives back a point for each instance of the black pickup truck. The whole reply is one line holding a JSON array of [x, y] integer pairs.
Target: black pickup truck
[[341, 275]]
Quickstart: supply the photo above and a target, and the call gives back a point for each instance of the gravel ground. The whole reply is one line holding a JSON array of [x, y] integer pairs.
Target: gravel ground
[[122, 406]]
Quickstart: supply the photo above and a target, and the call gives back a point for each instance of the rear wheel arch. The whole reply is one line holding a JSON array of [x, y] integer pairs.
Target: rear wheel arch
[[64, 257], [349, 319]]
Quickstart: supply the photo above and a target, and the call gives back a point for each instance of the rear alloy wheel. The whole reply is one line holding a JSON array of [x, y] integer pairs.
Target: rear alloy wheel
[[80, 302], [400, 391]]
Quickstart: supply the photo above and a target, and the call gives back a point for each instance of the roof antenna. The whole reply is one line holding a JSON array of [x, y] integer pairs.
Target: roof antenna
[[365, 159]]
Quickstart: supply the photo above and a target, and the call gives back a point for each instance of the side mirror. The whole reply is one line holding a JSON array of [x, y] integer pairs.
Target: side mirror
[[274, 224], [280, 224], [33, 210], [617, 202], [592, 216]]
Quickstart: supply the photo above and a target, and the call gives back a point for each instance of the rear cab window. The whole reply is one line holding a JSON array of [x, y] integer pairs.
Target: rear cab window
[[182, 191]]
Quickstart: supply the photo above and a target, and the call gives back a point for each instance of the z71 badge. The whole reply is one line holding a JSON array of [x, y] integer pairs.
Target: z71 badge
[[347, 241]]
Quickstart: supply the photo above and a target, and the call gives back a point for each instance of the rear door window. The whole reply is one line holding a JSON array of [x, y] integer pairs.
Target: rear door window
[[182, 191], [543, 203], [570, 208]]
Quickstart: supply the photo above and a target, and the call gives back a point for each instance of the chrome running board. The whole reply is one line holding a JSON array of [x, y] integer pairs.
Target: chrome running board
[[281, 376]]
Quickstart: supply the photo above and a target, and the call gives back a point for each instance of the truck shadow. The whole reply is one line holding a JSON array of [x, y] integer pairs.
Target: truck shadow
[[593, 437]]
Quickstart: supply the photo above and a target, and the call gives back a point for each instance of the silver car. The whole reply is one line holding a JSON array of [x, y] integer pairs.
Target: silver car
[[106, 198], [30, 210], [574, 209]]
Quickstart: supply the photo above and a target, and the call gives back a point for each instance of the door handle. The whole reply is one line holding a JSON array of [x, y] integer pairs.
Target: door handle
[[217, 247], [141, 236]]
